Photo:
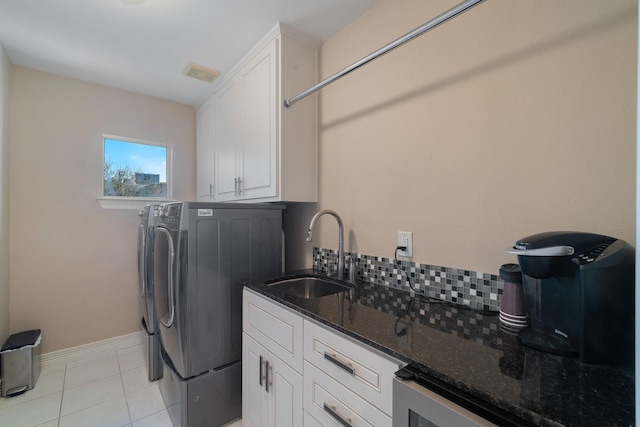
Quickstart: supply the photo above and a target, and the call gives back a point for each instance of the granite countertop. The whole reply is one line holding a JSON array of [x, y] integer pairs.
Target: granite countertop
[[469, 350]]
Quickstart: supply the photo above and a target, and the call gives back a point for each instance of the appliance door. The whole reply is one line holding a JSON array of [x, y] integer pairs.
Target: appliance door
[[417, 406]]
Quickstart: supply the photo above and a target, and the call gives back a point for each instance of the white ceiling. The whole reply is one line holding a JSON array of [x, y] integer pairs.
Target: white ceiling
[[144, 45]]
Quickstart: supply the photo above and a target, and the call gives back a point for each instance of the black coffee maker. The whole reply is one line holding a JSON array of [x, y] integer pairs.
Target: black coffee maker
[[579, 295]]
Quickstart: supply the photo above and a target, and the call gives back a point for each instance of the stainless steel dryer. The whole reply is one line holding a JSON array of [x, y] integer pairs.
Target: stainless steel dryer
[[202, 253], [146, 234]]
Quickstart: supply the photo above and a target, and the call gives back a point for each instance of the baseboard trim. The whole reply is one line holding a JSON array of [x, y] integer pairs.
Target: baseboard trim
[[92, 349]]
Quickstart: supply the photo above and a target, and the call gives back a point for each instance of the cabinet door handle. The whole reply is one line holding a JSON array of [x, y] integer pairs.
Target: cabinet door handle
[[261, 371], [346, 422], [235, 186], [345, 366], [240, 187], [267, 382]]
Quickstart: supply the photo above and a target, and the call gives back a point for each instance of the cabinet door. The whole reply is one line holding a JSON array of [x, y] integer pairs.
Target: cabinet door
[[285, 394], [257, 167], [254, 398], [227, 131], [204, 148], [271, 390]]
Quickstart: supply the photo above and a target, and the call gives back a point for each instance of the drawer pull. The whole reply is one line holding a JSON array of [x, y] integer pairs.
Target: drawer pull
[[345, 366], [261, 371], [334, 414], [267, 383]]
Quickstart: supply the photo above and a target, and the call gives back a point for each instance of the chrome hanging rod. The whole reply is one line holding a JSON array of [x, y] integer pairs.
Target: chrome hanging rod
[[451, 13]]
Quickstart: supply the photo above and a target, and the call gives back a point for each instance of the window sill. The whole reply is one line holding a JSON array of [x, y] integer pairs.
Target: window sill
[[129, 203]]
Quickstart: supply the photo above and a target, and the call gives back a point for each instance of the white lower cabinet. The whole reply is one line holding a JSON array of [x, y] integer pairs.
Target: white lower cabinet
[[271, 364], [296, 372]]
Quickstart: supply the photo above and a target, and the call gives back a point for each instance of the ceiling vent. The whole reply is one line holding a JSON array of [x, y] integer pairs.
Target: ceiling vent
[[201, 72]]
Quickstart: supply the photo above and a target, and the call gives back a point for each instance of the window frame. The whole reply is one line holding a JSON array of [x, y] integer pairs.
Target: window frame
[[135, 203]]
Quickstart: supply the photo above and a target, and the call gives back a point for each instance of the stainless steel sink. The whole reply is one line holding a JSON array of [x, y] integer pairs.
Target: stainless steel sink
[[307, 287]]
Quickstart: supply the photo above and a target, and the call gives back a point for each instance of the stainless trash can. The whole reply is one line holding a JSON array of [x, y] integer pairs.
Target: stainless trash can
[[20, 362]]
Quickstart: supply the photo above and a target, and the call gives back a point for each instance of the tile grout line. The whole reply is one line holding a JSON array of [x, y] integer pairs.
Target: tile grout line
[[124, 392], [64, 380]]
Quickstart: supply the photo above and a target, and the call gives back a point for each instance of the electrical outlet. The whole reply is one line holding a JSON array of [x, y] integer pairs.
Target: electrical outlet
[[405, 238]]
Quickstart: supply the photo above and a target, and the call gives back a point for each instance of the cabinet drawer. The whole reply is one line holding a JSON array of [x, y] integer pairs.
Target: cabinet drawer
[[275, 327], [328, 402], [363, 371]]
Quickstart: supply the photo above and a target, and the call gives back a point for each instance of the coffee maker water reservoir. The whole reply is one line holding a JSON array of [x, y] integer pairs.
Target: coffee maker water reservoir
[[579, 295]]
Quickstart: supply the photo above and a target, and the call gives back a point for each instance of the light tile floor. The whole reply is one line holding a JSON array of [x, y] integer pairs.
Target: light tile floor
[[108, 391]]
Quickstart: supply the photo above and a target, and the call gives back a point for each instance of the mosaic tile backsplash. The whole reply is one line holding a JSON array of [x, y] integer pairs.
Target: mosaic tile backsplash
[[476, 290]]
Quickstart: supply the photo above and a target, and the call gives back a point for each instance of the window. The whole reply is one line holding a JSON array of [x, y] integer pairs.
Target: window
[[135, 172]]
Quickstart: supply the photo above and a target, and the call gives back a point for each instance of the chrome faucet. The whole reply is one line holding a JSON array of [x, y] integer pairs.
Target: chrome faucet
[[340, 237]]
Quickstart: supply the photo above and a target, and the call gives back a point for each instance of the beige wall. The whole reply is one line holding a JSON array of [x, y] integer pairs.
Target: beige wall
[[512, 119], [73, 265], [5, 75]]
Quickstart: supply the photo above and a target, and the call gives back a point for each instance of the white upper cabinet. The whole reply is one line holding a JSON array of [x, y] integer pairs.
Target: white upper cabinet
[[263, 151]]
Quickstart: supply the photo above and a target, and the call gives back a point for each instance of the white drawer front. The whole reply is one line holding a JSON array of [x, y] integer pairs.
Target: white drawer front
[[275, 327], [327, 401], [371, 375]]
